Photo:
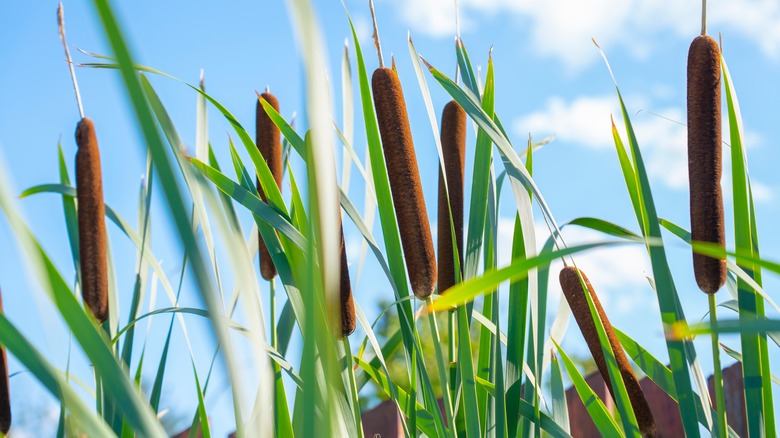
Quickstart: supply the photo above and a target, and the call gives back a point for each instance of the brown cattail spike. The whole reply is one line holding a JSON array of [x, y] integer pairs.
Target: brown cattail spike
[[5, 394], [404, 181], [453, 147], [704, 159], [574, 293], [269, 143], [347, 304], [92, 226]]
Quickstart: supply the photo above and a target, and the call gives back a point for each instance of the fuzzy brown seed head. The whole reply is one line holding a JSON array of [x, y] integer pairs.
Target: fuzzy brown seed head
[[348, 319], [453, 145], [575, 296], [5, 394], [91, 221], [268, 140], [404, 181], [704, 159]]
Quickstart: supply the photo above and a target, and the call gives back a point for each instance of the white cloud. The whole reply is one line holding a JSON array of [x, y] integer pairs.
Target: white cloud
[[584, 121], [618, 273], [662, 135], [563, 28]]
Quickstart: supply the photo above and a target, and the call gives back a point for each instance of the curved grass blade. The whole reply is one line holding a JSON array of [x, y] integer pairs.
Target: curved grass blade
[[252, 202], [604, 227], [116, 384], [79, 413], [121, 223], [732, 266], [470, 289]]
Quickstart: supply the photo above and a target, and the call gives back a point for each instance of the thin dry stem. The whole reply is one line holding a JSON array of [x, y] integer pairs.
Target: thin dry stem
[[457, 20], [703, 17], [375, 36], [61, 25]]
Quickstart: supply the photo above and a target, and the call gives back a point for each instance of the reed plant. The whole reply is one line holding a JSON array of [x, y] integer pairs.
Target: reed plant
[[509, 382]]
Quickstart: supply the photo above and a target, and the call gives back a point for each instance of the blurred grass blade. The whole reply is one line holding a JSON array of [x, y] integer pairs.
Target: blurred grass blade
[[51, 379], [116, 383], [347, 115], [171, 190]]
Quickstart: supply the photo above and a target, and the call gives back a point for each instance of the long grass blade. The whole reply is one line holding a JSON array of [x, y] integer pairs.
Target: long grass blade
[[758, 388]]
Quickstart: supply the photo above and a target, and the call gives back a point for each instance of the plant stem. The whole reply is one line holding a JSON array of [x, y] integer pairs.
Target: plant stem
[[273, 313], [444, 376], [718, 376], [703, 17]]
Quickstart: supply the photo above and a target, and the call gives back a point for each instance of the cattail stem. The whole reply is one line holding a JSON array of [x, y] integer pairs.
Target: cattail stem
[[375, 36], [453, 144], [704, 17], [720, 400], [91, 221], [404, 181], [704, 159], [5, 394], [61, 25], [575, 296], [272, 311], [268, 139]]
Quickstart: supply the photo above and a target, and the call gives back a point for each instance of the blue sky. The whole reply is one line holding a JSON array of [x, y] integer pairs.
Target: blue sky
[[550, 80]]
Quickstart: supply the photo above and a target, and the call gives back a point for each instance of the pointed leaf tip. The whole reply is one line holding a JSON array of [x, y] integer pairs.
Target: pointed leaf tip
[[427, 64]]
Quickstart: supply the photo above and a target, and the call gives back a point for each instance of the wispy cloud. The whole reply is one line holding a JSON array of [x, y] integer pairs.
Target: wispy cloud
[[662, 135], [618, 273]]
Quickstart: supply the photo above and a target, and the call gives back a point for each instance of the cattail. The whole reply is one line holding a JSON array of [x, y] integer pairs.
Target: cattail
[[575, 295], [269, 143], [704, 159], [92, 226], [404, 181], [347, 304], [5, 394], [453, 146]]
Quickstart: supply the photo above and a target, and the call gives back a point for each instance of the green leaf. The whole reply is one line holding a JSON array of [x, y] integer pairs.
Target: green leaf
[[758, 388], [598, 412], [558, 392]]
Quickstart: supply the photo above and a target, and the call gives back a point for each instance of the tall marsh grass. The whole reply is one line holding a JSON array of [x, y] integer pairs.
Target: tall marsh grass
[[502, 385]]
